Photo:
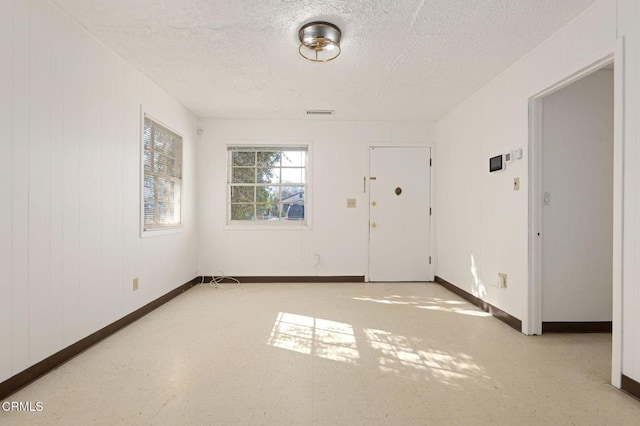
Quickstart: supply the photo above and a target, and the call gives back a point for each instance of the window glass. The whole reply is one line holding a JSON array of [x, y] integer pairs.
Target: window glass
[[267, 183], [162, 176]]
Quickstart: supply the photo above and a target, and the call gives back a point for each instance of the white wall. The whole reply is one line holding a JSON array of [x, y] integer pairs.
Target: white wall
[[478, 214], [577, 225], [70, 180], [339, 161]]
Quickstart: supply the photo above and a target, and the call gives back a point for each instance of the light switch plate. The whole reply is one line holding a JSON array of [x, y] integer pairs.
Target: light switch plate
[[516, 184], [517, 154]]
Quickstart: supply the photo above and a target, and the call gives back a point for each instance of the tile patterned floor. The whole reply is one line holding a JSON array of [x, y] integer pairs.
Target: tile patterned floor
[[330, 354]]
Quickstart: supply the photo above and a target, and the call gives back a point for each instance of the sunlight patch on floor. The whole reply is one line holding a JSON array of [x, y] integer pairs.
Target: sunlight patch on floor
[[432, 303], [315, 336], [472, 312], [403, 356]]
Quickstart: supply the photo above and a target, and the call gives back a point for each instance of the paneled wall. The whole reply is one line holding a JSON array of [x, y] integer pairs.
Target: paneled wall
[[482, 223], [339, 159], [70, 183], [489, 223]]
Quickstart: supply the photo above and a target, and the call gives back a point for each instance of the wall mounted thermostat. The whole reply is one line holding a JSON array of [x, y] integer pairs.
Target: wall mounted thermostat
[[496, 163], [508, 157]]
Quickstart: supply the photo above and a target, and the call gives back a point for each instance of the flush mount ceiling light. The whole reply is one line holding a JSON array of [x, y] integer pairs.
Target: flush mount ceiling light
[[319, 41]]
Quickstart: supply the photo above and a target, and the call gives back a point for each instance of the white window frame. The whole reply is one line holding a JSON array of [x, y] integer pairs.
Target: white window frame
[[159, 229], [266, 224]]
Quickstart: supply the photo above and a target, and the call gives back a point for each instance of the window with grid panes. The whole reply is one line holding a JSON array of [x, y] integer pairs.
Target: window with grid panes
[[267, 184], [162, 176]]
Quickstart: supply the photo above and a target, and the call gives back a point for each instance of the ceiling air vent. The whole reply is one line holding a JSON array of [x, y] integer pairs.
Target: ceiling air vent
[[320, 112]]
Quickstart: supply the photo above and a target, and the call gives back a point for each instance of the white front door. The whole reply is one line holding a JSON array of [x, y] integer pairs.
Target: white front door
[[399, 213]]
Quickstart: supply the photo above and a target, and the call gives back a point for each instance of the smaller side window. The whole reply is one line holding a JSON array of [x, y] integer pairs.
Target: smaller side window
[[162, 193]]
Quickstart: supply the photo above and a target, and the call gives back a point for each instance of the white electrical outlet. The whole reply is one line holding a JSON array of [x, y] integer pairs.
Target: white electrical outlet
[[502, 280], [135, 284]]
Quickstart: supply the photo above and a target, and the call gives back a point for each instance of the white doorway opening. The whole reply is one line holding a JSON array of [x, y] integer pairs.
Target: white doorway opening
[[565, 240]]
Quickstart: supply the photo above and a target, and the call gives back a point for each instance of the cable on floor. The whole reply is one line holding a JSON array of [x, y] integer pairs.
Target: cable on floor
[[217, 281]]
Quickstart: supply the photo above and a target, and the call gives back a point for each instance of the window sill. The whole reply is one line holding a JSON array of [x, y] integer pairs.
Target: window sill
[[156, 232], [277, 226]]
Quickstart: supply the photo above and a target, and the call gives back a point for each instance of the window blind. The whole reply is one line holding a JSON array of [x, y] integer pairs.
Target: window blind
[[162, 176]]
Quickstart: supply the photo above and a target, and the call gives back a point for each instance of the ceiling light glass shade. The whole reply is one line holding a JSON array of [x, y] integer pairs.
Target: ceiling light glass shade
[[319, 41]]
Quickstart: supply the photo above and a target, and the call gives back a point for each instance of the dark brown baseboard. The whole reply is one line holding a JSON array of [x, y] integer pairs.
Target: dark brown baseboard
[[27, 376], [630, 386], [294, 279], [577, 327], [511, 321]]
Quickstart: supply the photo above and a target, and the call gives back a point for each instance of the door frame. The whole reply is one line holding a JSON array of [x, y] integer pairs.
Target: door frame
[[367, 187], [613, 54]]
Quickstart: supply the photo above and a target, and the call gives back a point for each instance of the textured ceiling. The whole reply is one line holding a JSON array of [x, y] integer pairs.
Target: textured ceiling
[[401, 60]]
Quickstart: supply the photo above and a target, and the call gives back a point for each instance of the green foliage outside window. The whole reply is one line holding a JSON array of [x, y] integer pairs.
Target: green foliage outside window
[[264, 182]]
